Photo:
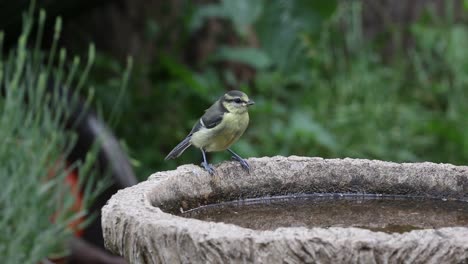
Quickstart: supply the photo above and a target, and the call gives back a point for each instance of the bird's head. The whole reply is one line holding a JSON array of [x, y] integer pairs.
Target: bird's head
[[236, 101]]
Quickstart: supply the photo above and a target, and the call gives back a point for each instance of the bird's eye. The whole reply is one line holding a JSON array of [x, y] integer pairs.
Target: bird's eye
[[238, 100]]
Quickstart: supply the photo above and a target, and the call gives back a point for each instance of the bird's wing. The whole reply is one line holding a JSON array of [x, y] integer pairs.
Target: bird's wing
[[211, 118]]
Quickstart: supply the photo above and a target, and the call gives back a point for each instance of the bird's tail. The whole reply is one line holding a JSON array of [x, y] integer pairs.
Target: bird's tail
[[179, 149]]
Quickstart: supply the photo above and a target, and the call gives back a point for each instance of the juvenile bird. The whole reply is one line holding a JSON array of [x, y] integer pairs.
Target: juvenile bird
[[221, 125]]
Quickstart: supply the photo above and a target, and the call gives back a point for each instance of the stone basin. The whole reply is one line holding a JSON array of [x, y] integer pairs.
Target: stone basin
[[142, 223]]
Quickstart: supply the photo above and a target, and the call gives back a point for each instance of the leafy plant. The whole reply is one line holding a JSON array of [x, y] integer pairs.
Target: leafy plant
[[39, 92]]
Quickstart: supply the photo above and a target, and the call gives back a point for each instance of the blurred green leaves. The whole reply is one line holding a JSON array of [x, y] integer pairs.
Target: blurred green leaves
[[252, 57], [241, 13], [322, 86], [282, 20]]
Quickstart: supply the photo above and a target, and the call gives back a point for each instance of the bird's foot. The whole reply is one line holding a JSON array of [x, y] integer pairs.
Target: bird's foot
[[243, 163], [208, 167]]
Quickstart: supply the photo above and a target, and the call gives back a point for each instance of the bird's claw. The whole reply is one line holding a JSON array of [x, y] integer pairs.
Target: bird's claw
[[243, 163], [208, 167]]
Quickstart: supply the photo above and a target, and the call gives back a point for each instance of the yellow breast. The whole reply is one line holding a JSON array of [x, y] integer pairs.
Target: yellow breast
[[223, 135]]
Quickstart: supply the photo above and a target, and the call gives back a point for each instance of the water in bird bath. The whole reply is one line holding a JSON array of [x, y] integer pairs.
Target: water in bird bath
[[378, 213]]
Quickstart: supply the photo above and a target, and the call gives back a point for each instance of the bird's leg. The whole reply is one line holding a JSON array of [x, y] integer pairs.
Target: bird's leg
[[205, 163], [242, 161]]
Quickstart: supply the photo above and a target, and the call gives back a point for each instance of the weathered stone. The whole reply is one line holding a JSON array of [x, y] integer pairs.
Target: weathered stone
[[139, 222]]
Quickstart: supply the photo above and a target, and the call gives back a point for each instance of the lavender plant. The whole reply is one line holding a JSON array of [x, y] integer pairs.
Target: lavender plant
[[38, 93]]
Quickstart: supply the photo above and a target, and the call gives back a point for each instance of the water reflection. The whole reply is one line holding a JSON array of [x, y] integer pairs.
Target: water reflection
[[386, 214]]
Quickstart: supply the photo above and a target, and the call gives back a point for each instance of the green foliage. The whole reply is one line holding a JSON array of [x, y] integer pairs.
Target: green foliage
[[35, 201], [255, 58], [242, 14], [321, 87], [349, 103]]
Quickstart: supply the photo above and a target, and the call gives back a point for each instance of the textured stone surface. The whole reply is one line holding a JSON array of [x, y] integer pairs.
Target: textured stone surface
[[139, 224]]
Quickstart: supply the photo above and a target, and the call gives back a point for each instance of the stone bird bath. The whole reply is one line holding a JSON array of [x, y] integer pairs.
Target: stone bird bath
[[141, 223]]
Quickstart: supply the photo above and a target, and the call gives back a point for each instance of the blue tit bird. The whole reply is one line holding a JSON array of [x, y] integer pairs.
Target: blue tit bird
[[220, 127]]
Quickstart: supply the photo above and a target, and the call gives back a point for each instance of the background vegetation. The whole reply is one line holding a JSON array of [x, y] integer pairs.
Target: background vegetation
[[324, 84]]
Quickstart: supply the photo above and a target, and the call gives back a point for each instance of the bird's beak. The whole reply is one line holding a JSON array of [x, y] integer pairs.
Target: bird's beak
[[250, 102]]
